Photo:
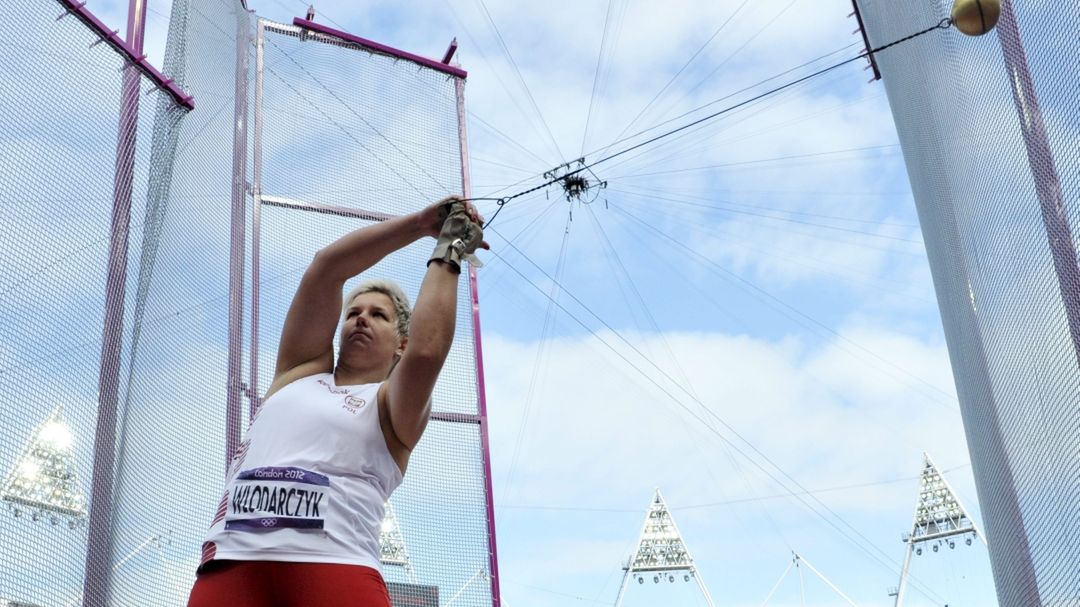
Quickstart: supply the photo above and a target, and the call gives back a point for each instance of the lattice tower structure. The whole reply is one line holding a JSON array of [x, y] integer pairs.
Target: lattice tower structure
[[940, 520], [660, 552], [43, 480]]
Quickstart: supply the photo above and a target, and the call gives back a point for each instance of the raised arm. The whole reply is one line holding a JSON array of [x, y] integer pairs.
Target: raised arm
[[407, 393], [307, 338]]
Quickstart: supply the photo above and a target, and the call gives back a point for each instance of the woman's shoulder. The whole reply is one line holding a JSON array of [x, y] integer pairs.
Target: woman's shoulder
[[293, 377]]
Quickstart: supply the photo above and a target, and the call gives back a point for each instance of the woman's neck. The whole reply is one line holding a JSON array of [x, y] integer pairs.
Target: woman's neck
[[345, 375]]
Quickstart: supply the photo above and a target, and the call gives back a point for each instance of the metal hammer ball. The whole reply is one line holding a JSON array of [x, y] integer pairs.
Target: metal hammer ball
[[976, 17]]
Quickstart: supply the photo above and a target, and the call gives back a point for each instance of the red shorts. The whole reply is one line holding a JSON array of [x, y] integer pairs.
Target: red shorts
[[280, 584]]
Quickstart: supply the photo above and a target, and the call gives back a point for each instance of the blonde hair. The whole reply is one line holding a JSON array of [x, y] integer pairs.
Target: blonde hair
[[389, 288]]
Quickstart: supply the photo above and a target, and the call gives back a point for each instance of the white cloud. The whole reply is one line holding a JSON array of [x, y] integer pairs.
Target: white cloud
[[601, 436]]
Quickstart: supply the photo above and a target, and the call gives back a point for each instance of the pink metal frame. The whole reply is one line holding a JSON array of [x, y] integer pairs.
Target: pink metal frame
[[325, 209], [866, 40], [99, 541], [481, 393], [450, 50], [458, 418], [1021, 572], [481, 417], [1043, 169], [132, 49], [380, 48]]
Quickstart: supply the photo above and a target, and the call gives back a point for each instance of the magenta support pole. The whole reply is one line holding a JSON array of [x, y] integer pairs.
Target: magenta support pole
[[128, 50], [99, 541], [325, 209], [866, 39], [450, 50], [234, 386], [456, 418], [1043, 169], [485, 442], [380, 48]]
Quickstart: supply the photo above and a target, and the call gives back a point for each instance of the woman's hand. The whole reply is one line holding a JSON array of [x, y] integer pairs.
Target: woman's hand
[[460, 235], [434, 215]]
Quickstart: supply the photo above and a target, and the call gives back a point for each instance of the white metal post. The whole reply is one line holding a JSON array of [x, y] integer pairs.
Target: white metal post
[[903, 575], [256, 219], [777, 584], [622, 588], [825, 579], [704, 590], [237, 212]]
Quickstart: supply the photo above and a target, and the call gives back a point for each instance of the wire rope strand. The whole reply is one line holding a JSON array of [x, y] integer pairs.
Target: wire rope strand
[[718, 100], [822, 226], [771, 496], [352, 111], [674, 266], [596, 76], [943, 24], [707, 141], [676, 76], [545, 334], [686, 380], [738, 50], [880, 556], [759, 207], [495, 73], [936, 393], [521, 79], [703, 135], [821, 266]]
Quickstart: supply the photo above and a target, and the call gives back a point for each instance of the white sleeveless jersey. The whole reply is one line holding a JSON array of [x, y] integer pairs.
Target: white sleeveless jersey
[[309, 481]]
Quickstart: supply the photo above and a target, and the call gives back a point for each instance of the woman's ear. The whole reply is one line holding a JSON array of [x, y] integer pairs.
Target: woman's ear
[[401, 346]]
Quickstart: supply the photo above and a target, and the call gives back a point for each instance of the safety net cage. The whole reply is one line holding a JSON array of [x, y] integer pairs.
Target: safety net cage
[[129, 376], [88, 135], [343, 136], [989, 129]]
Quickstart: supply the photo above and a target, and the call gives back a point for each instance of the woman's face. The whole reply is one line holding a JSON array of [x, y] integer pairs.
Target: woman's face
[[370, 329]]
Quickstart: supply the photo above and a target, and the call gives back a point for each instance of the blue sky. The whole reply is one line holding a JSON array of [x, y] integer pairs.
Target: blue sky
[[764, 272]]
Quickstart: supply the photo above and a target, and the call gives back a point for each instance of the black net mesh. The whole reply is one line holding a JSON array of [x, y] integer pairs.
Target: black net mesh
[[989, 129]]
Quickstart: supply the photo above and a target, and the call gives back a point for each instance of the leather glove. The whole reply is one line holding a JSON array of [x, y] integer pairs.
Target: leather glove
[[459, 238]]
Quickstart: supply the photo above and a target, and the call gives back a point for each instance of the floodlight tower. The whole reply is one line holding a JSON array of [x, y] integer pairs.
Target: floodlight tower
[[660, 551], [940, 519], [392, 549], [43, 481]]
